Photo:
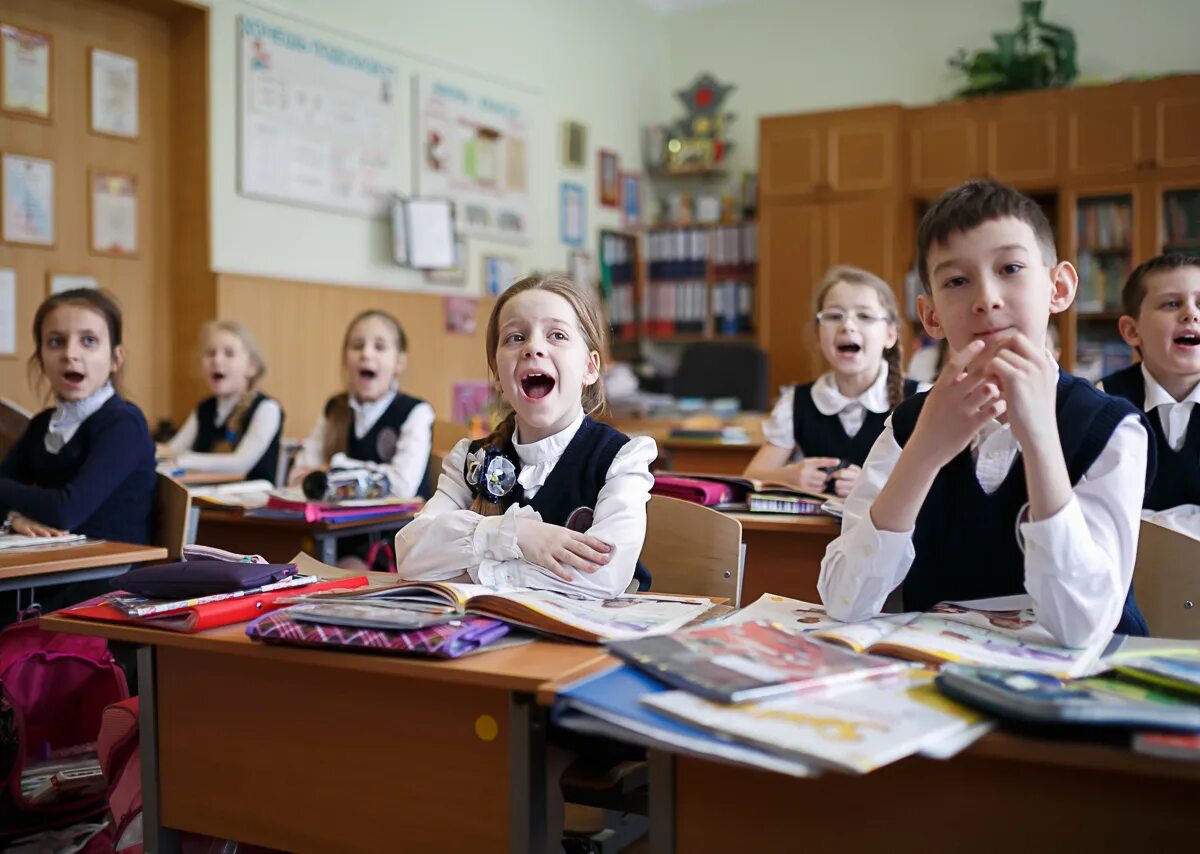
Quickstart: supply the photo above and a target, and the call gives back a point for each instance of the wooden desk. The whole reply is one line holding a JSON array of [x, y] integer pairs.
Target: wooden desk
[[278, 540], [708, 457], [307, 750], [1005, 793], [783, 553], [63, 564], [207, 478]]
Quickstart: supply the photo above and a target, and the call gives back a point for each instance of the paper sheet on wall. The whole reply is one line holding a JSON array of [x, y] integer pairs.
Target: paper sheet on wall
[[430, 234], [8, 312], [318, 121]]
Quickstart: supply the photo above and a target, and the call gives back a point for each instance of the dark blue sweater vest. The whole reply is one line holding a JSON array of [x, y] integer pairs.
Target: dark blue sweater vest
[[1177, 480], [101, 483], [208, 434], [819, 435], [378, 445], [966, 540]]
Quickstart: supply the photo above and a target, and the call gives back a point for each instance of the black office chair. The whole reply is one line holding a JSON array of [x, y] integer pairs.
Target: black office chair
[[711, 369]]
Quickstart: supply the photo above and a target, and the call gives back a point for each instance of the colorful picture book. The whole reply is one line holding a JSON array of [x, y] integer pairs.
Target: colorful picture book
[[1178, 670], [745, 661], [1042, 698], [855, 728], [571, 616]]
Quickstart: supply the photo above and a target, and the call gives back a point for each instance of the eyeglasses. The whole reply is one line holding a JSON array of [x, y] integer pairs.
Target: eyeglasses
[[836, 317]]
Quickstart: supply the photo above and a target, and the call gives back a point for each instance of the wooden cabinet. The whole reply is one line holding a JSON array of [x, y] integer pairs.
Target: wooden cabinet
[[1021, 139], [1105, 133], [848, 151], [943, 147], [1174, 112]]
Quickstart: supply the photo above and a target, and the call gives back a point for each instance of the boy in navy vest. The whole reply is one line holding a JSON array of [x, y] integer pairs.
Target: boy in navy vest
[[1161, 301], [1008, 476]]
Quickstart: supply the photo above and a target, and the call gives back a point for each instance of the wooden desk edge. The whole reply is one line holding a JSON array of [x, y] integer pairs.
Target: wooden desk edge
[[128, 553]]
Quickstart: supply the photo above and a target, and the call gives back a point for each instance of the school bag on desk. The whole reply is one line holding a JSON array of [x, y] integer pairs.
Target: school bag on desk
[[53, 690]]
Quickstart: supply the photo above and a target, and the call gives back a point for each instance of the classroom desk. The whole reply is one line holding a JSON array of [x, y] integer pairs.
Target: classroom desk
[[278, 540], [704, 456], [207, 478], [64, 564], [783, 553], [1005, 793], [312, 751]]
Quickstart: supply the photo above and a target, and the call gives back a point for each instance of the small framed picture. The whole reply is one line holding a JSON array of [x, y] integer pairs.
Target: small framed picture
[[499, 271], [574, 144], [572, 213], [454, 275], [26, 73], [631, 199], [114, 94], [579, 268], [608, 170], [56, 283], [113, 213], [28, 194]]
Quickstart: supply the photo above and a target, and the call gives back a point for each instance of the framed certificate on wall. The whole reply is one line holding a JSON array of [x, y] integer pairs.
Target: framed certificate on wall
[[113, 213], [26, 72]]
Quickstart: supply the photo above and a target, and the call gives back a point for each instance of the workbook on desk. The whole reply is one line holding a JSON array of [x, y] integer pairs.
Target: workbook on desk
[[9, 542], [743, 487], [293, 501], [245, 494], [1000, 632], [569, 616]]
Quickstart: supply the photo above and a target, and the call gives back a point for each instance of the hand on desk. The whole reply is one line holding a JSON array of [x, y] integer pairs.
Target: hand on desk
[[31, 528], [560, 549], [809, 473], [844, 480]]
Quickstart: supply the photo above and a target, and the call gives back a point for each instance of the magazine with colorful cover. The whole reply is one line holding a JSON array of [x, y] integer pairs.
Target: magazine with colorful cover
[[855, 728], [746, 661], [1177, 669]]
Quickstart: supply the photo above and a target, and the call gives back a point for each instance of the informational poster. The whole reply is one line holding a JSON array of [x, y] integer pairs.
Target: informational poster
[[318, 121], [472, 146]]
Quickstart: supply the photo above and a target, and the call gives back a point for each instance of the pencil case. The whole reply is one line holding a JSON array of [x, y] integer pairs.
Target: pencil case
[[199, 578]]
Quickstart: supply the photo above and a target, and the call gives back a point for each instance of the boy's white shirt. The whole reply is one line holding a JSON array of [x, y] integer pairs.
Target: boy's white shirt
[[406, 468], [1078, 563], [447, 538], [259, 434], [1173, 414]]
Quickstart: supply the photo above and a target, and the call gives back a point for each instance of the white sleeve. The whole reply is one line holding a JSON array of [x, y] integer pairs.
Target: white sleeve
[[863, 565], [259, 435], [312, 452], [1079, 562], [779, 429], [182, 441], [619, 520], [406, 468]]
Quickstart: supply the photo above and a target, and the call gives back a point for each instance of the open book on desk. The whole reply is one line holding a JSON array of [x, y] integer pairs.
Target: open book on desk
[[10, 542], [569, 616], [1000, 632]]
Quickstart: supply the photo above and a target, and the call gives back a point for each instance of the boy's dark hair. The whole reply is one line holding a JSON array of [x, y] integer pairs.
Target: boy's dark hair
[[972, 204], [1135, 286]]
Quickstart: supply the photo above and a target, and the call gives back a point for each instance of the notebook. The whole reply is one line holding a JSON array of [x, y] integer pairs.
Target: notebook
[[10, 542]]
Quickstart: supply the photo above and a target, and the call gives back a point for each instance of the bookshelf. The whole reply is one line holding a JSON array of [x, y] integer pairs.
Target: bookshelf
[[1104, 248], [1181, 221], [620, 288]]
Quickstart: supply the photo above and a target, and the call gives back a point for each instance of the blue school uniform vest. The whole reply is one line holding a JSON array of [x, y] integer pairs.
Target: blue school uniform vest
[[966, 540], [378, 444], [820, 435], [1177, 480], [208, 434], [569, 495]]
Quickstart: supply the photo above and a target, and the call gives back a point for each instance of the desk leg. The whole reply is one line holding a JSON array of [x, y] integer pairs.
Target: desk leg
[[662, 802], [527, 799], [326, 548], [157, 839]]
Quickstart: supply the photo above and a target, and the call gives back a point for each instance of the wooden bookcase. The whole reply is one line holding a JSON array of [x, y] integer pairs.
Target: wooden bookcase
[[1117, 167]]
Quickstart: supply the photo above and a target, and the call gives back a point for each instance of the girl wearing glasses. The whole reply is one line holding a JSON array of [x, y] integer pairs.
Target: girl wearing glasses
[[830, 424]]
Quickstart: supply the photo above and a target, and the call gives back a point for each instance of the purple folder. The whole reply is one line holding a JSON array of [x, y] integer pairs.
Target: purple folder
[[444, 641]]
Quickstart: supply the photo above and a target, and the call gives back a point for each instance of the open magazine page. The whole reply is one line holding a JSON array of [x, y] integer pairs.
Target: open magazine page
[[593, 620], [810, 617], [1009, 638], [862, 636], [857, 728]]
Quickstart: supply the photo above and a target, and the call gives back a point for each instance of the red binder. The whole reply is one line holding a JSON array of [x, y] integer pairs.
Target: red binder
[[213, 614]]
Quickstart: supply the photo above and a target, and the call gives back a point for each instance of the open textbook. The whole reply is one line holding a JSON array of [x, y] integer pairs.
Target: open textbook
[[1001, 632], [855, 728], [565, 615]]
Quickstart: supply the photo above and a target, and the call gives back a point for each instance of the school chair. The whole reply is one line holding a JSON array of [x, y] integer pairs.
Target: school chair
[[692, 549], [288, 450], [14, 418], [175, 519], [446, 434], [710, 369], [1166, 582]]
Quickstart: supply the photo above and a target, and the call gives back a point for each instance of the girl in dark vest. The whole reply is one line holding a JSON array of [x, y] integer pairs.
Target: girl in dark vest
[[373, 424], [832, 423], [552, 498], [236, 430]]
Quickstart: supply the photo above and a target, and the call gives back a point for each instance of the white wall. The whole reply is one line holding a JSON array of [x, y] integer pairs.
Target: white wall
[[602, 63], [790, 56]]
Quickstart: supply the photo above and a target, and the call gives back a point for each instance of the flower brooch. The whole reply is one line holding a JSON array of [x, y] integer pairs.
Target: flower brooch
[[490, 473]]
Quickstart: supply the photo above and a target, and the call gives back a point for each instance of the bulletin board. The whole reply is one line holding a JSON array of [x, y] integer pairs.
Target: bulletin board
[[318, 122], [472, 145]]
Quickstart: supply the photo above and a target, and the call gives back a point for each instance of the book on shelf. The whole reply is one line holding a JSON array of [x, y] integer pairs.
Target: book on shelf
[[1033, 697], [677, 253], [1000, 632], [732, 663], [856, 728], [1181, 218], [571, 616]]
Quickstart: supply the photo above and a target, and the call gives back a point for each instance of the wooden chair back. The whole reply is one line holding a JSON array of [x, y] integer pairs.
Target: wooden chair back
[[13, 421], [1166, 582], [174, 525], [693, 550]]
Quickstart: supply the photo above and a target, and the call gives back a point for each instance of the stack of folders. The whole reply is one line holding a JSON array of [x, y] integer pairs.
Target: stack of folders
[[781, 502]]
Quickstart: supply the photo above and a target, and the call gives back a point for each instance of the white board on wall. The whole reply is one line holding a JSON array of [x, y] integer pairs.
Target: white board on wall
[[473, 145], [318, 122]]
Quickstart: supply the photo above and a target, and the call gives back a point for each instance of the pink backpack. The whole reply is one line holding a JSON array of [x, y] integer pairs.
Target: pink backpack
[[53, 690]]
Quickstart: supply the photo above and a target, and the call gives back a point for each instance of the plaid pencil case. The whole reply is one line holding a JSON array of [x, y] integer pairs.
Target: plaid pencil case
[[443, 641]]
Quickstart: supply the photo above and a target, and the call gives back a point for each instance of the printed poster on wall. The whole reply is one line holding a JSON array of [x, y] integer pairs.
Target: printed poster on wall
[[318, 122], [472, 147]]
